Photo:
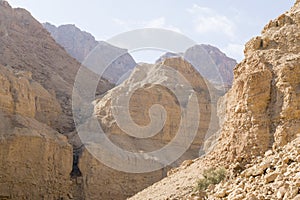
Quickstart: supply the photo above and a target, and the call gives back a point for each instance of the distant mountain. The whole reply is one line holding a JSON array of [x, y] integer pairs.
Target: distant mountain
[[79, 44], [212, 64], [76, 42]]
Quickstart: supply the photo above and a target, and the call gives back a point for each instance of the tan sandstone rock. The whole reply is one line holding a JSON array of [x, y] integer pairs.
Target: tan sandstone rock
[[35, 160], [147, 81], [262, 111], [21, 95]]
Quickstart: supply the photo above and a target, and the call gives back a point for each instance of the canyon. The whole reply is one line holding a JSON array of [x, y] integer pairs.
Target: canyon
[[252, 131]]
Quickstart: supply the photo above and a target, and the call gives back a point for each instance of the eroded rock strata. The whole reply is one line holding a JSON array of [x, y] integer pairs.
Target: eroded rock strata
[[259, 138]]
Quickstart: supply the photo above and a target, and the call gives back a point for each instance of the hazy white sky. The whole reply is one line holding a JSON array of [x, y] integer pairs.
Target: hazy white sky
[[227, 24]]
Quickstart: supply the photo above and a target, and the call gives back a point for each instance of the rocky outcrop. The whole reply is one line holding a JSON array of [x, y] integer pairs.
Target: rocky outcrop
[[263, 106], [80, 43], [259, 138], [148, 81], [25, 45], [35, 160], [20, 94], [148, 87], [212, 64]]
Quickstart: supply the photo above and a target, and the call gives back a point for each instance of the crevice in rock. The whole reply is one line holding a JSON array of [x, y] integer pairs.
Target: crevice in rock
[[271, 104], [77, 188], [75, 169]]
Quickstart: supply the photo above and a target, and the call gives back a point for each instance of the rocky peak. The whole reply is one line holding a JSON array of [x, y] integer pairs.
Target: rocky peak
[[212, 64], [5, 4], [79, 44], [76, 42]]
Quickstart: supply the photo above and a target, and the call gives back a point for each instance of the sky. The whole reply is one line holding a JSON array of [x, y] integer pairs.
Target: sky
[[226, 24]]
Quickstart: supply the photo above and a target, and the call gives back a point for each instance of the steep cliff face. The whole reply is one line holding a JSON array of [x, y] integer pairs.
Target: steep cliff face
[[102, 182], [263, 106], [20, 94], [35, 160], [80, 43], [212, 64], [25, 45], [147, 85], [261, 112]]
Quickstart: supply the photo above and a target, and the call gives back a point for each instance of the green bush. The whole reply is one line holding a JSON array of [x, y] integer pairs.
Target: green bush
[[211, 176]]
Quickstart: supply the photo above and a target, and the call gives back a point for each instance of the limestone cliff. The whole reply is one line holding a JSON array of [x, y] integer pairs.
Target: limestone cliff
[[20, 94], [25, 45], [263, 106], [262, 112], [147, 84], [35, 159]]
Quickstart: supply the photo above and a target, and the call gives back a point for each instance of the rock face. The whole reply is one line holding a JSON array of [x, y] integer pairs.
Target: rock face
[[80, 43], [263, 106], [261, 113], [212, 64], [25, 45], [102, 182], [147, 83], [76, 42], [20, 94], [35, 160], [147, 95]]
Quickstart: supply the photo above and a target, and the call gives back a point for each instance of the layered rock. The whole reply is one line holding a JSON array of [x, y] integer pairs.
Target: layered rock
[[146, 84], [212, 64], [102, 182], [263, 106], [261, 113], [37, 78], [20, 94], [25, 45], [35, 160], [147, 94], [80, 43]]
